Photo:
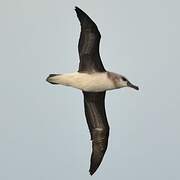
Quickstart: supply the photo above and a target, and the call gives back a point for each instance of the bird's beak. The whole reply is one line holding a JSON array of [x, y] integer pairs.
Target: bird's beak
[[132, 86]]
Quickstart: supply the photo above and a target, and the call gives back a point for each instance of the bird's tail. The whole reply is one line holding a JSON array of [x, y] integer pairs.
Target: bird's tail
[[53, 78]]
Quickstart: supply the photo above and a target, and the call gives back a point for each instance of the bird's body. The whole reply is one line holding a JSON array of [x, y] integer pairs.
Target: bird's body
[[89, 82], [94, 81]]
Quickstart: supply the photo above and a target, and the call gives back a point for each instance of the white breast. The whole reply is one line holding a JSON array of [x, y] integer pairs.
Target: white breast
[[94, 82]]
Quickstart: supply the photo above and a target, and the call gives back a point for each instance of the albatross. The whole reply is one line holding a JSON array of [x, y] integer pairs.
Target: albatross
[[94, 80]]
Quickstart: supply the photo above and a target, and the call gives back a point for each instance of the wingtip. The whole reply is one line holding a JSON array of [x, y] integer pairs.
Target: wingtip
[[91, 173], [81, 14], [77, 9], [93, 168], [97, 155]]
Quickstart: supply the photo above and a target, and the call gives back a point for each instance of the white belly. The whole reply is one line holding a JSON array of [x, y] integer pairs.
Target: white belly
[[95, 82]]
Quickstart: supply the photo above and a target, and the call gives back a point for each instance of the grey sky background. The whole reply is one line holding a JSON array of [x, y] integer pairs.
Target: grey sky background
[[43, 131]]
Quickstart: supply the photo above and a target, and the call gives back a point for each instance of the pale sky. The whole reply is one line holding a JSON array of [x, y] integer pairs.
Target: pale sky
[[43, 131]]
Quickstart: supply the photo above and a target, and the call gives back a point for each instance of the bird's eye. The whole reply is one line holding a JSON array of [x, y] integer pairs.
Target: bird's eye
[[124, 79]]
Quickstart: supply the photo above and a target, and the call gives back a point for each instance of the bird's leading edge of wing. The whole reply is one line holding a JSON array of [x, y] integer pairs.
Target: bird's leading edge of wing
[[88, 46], [98, 126]]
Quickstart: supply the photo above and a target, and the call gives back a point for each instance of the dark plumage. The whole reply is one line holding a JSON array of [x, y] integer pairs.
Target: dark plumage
[[90, 61], [88, 46], [98, 126]]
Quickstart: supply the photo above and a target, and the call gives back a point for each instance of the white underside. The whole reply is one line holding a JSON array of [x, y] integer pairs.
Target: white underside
[[95, 82]]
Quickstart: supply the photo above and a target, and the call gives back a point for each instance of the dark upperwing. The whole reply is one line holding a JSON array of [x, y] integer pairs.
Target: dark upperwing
[[88, 46], [98, 126]]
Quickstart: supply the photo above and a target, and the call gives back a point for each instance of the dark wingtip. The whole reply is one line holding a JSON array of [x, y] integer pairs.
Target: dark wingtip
[[84, 19], [91, 172], [80, 14], [99, 149], [77, 9], [95, 163]]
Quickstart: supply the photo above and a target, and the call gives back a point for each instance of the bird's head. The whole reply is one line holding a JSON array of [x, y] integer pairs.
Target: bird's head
[[121, 81], [124, 82]]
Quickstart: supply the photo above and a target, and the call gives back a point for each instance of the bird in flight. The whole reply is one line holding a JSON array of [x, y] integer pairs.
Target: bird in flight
[[94, 80]]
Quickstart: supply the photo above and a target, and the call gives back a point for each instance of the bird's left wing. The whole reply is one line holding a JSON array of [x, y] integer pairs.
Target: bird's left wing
[[88, 46], [98, 126]]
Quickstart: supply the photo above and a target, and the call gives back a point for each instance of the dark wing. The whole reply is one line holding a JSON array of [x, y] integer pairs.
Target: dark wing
[[98, 126], [88, 46]]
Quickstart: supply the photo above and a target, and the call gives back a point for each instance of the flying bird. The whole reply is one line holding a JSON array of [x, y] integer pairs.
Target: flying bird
[[94, 80]]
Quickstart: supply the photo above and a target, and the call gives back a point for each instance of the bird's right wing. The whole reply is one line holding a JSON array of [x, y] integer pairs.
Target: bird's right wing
[[88, 46], [98, 126]]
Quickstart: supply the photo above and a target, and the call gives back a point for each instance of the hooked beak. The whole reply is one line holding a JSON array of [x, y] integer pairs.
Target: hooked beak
[[132, 86]]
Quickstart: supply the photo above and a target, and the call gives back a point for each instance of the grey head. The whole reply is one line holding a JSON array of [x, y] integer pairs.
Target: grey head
[[120, 81]]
